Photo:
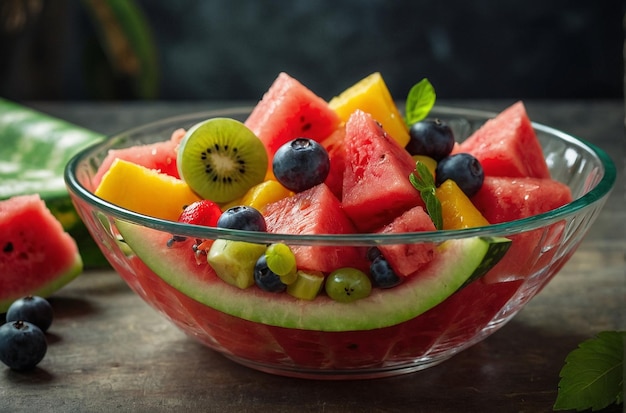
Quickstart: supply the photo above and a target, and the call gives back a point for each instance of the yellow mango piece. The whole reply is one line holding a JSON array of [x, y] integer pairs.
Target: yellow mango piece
[[264, 193], [430, 163], [372, 96], [233, 203], [144, 190], [457, 209]]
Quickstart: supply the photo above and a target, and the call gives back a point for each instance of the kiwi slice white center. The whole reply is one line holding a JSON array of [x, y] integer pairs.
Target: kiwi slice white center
[[221, 159]]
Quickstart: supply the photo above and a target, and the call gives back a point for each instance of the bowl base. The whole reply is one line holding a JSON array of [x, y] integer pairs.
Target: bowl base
[[357, 374]]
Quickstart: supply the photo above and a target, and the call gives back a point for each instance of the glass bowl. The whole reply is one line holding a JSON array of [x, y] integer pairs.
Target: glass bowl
[[463, 319]]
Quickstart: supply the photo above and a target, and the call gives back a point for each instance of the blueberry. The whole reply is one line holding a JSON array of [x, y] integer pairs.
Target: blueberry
[[432, 138], [36, 310], [301, 164], [22, 345], [373, 253], [382, 274], [463, 169], [242, 217], [267, 279]]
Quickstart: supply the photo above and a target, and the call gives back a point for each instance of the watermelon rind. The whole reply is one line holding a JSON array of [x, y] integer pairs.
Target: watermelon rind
[[456, 261], [47, 289]]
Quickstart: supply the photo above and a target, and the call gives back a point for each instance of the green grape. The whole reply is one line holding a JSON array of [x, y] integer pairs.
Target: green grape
[[347, 285], [280, 259]]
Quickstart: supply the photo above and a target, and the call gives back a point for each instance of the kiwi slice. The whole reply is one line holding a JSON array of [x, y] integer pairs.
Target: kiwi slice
[[220, 159]]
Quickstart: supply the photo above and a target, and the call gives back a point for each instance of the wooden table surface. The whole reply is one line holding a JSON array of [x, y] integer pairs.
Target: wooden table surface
[[109, 351]]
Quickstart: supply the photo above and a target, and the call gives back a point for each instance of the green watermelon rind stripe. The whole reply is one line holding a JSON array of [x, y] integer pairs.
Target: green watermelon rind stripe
[[457, 261], [48, 288], [35, 149]]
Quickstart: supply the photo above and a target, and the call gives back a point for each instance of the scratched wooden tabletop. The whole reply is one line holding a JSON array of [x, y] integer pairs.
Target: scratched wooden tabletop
[[109, 351]]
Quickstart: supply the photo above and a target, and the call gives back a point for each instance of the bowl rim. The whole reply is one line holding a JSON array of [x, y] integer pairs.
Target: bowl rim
[[600, 191]]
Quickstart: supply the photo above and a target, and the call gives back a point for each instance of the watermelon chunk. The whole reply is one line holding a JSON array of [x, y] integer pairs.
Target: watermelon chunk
[[334, 145], [38, 257], [315, 211], [503, 199], [376, 186], [160, 156], [507, 145], [290, 110], [405, 259]]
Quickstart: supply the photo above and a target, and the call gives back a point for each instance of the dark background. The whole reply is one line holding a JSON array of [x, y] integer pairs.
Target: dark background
[[224, 50]]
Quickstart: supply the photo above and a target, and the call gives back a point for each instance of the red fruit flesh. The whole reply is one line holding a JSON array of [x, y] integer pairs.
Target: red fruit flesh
[[376, 186]]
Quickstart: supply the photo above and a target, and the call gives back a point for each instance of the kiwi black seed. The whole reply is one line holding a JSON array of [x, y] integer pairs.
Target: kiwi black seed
[[220, 159]]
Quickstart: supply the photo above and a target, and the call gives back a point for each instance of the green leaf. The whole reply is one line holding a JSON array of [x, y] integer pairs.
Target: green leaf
[[419, 102], [424, 182], [593, 374]]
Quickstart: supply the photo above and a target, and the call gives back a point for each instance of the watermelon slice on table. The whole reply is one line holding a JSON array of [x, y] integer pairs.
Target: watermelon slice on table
[[503, 199], [376, 186], [290, 110], [405, 259], [35, 149], [507, 145], [315, 211], [38, 257]]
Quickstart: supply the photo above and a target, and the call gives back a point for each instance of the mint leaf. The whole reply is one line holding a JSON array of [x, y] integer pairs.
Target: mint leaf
[[424, 182], [593, 374], [419, 102]]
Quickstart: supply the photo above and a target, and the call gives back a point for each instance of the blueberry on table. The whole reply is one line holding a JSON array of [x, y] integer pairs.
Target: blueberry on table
[[462, 168], [242, 217], [432, 138], [301, 164], [34, 309], [22, 345]]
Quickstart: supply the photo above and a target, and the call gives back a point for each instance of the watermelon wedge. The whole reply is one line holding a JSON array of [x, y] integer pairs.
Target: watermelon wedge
[[315, 211], [376, 186], [38, 257], [406, 259], [504, 199], [334, 145], [35, 149], [507, 145], [290, 110]]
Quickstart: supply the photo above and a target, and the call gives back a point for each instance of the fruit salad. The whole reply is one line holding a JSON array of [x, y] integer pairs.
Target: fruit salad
[[301, 165], [341, 238]]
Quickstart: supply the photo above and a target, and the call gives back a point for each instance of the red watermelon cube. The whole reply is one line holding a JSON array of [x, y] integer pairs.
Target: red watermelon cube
[[507, 145], [315, 211], [406, 259], [503, 199], [290, 110]]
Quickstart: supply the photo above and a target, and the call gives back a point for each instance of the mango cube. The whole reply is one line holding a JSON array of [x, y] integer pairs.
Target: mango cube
[[371, 95], [457, 209], [264, 193], [145, 190]]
